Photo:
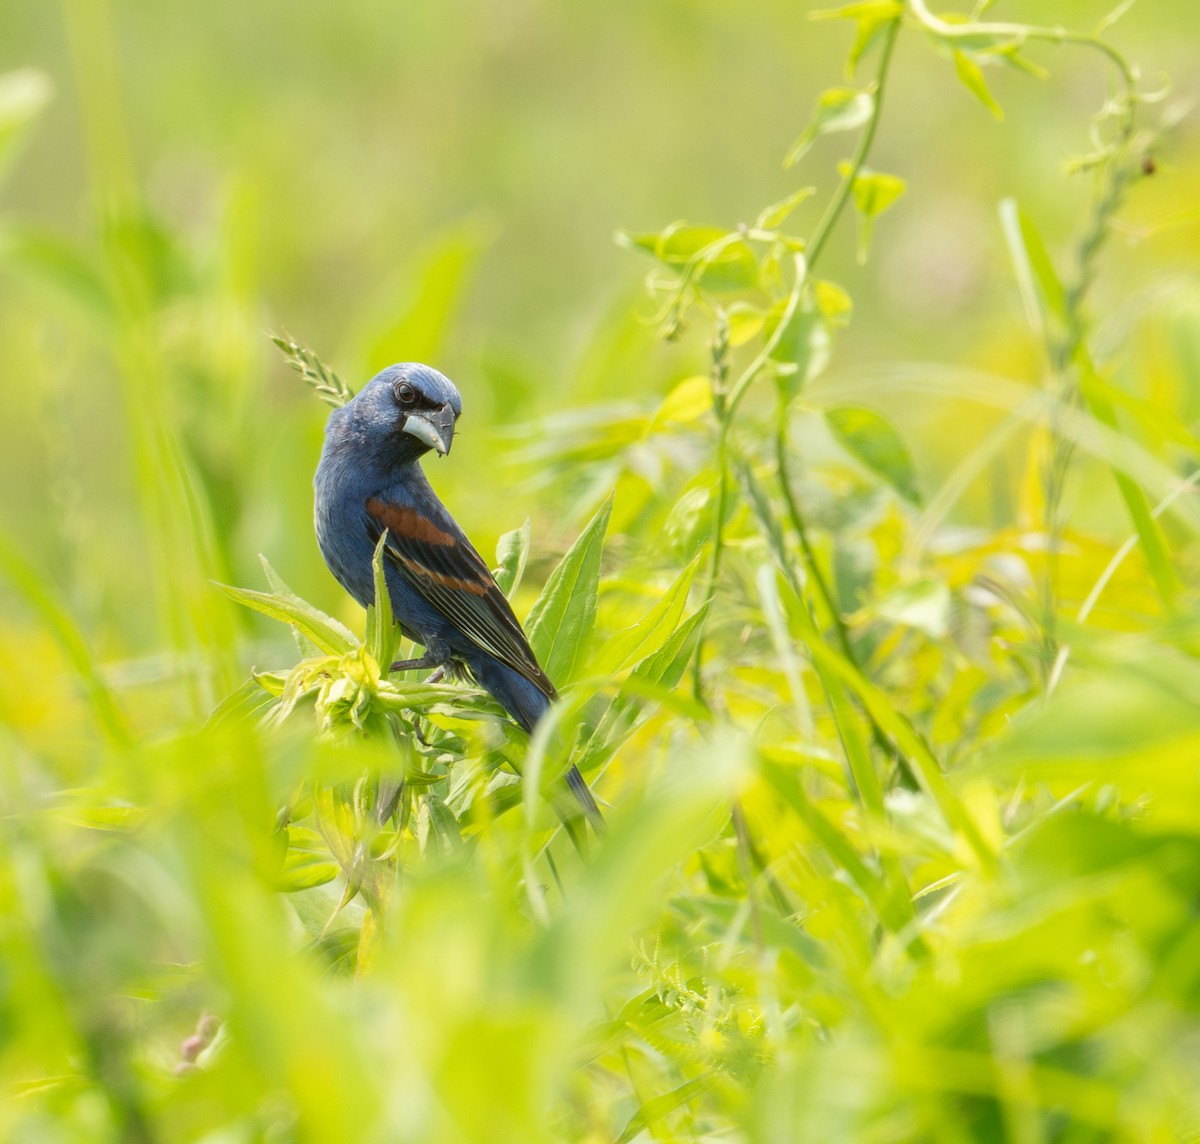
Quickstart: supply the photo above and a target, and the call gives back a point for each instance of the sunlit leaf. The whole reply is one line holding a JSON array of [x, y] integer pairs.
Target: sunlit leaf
[[775, 215], [381, 634], [806, 346], [560, 623], [512, 551], [970, 75], [652, 629], [871, 439], [302, 870], [331, 636], [873, 193], [870, 17], [923, 605], [721, 260], [690, 400], [838, 109]]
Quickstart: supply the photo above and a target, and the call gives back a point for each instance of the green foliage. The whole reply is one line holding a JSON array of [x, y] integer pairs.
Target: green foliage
[[885, 671]]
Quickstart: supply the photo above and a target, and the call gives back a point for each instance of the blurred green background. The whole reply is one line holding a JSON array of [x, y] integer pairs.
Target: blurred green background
[[443, 182]]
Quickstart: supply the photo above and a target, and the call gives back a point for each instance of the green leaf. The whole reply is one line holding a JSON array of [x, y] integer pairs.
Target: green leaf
[[873, 193], [276, 583], [690, 400], [1150, 533], [833, 302], [923, 605], [745, 323], [676, 244], [871, 439], [776, 214], [393, 696], [854, 742], [512, 551], [896, 912], [719, 259], [806, 345], [654, 1110], [330, 636], [970, 75], [666, 666], [246, 702], [838, 109], [652, 630], [870, 24], [561, 621], [1041, 291], [661, 669], [303, 869], [381, 630]]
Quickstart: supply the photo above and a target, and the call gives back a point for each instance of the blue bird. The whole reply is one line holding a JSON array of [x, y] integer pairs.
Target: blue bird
[[443, 596]]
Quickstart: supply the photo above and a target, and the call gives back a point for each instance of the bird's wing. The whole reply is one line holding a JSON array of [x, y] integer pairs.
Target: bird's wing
[[452, 576]]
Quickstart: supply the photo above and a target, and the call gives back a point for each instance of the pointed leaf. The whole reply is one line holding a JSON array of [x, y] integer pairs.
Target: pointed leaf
[[775, 215], [512, 551], [806, 345], [654, 1110], [838, 109], [381, 631], [873, 193], [276, 583], [871, 439], [561, 621], [652, 630], [1041, 291], [970, 75], [326, 633], [722, 259], [302, 870], [663, 668]]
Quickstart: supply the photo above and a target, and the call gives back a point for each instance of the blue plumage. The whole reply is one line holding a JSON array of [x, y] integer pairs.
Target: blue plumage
[[443, 596]]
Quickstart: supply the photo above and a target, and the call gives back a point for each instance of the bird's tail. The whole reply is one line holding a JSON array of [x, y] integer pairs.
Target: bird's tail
[[527, 703], [585, 798]]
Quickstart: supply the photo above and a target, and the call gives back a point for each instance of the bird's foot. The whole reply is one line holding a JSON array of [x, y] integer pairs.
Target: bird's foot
[[418, 664]]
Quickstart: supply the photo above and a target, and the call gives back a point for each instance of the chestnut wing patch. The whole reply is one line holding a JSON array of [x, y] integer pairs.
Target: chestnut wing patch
[[453, 577]]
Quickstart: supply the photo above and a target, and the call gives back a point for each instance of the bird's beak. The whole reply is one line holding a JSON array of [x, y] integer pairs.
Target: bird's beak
[[435, 429]]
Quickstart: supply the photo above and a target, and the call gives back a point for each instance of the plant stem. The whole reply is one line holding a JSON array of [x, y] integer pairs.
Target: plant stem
[[714, 564], [1068, 360], [724, 407], [816, 245], [797, 522], [842, 195], [1018, 33]]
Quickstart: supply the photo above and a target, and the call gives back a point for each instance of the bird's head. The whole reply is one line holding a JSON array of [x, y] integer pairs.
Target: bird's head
[[409, 406]]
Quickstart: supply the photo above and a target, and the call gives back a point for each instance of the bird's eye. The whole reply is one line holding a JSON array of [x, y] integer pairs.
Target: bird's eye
[[405, 394]]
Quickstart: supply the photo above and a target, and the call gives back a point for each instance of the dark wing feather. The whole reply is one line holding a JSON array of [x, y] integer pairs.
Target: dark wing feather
[[453, 577]]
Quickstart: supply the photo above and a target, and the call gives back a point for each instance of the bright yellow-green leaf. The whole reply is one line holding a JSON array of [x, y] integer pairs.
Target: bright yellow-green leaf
[[970, 75], [690, 400], [838, 109], [873, 193], [872, 439]]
